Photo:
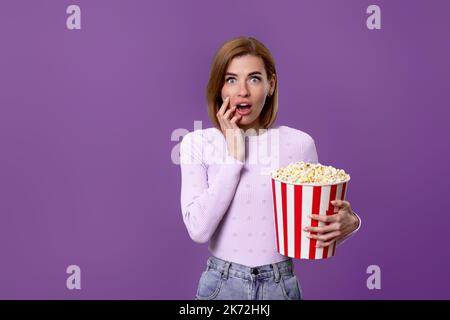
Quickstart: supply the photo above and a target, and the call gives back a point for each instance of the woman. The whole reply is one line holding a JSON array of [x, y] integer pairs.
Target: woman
[[226, 195]]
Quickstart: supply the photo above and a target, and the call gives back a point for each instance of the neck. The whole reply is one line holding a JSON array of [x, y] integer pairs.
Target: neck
[[252, 129]]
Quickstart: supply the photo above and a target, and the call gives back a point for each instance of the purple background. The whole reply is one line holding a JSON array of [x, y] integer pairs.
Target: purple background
[[86, 118]]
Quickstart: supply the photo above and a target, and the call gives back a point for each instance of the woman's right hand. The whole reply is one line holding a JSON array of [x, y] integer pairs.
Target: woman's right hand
[[233, 134]]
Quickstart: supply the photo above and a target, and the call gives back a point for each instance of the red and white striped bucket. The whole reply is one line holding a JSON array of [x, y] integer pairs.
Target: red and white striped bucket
[[292, 204]]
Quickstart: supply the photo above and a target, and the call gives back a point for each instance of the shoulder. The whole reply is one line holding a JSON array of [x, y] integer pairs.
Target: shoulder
[[286, 131]]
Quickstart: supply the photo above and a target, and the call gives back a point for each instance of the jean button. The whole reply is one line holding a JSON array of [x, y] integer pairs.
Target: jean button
[[255, 271]]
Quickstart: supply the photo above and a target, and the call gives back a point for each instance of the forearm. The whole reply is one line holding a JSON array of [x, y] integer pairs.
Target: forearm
[[203, 205]]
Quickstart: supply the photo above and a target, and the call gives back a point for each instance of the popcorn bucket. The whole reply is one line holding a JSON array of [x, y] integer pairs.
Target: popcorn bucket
[[292, 204]]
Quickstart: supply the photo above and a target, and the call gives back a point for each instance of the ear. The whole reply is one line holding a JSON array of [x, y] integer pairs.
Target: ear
[[272, 84]]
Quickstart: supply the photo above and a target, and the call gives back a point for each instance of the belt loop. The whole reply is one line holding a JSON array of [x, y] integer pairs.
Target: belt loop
[[225, 270], [276, 272]]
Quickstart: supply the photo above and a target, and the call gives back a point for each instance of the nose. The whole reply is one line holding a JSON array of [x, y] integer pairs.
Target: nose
[[242, 90]]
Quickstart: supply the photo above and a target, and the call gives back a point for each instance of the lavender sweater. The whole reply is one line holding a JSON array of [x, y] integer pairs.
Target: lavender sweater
[[228, 202]]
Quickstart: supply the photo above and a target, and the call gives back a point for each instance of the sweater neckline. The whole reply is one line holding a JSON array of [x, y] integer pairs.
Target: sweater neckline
[[262, 135]]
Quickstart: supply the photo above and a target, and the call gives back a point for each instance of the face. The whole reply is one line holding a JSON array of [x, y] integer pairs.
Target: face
[[246, 82]]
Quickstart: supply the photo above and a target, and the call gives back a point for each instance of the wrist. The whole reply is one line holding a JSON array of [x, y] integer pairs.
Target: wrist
[[355, 221]]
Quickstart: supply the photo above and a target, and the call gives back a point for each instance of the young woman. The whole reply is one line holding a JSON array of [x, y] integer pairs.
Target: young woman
[[226, 196]]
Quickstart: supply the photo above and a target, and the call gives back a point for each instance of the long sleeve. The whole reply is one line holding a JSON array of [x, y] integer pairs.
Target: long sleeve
[[311, 154], [204, 202]]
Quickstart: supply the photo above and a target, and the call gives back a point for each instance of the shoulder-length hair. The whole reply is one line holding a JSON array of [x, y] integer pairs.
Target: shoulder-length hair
[[238, 47]]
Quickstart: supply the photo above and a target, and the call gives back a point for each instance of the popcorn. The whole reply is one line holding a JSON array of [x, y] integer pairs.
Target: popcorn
[[304, 172]]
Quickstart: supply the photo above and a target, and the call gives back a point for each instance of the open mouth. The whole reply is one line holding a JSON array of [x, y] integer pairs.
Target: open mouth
[[243, 108]]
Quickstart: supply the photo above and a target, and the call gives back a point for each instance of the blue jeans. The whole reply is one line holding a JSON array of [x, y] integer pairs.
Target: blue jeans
[[224, 280]]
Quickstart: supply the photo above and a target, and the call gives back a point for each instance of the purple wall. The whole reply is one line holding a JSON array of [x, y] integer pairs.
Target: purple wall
[[86, 118]]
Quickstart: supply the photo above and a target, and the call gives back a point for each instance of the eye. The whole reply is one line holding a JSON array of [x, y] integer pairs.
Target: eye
[[252, 78], [257, 78]]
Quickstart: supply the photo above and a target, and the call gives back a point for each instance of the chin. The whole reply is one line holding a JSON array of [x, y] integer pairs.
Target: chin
[[246, 121]]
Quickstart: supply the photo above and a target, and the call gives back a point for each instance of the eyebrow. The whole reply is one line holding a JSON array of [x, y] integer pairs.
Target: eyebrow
[[250, 74]]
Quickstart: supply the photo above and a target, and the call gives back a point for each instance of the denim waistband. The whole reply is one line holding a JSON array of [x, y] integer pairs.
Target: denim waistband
[[227, 268]]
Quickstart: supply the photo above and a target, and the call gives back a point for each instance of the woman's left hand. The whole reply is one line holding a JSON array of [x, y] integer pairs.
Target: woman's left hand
[[339, 225]]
